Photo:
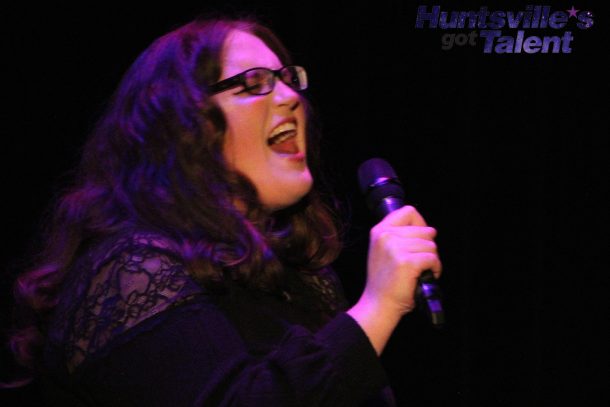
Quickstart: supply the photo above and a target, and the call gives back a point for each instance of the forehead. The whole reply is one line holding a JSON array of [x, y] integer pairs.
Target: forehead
[[243, 51]]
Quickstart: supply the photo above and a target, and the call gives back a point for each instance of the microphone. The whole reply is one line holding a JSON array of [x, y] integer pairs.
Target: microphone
[[383, 193]]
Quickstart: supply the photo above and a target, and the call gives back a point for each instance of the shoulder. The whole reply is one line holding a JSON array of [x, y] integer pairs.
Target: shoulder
[[137, 267], [118, 283], [114, 247], [141, 264]]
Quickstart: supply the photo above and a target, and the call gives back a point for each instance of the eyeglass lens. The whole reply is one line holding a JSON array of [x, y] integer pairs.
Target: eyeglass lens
[[261, 81]]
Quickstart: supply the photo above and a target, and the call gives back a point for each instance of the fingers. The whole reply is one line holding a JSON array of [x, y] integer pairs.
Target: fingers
[[419, 246], [413, 254], [405, 216], [404, 233], [410, 240], [425, 261], [396, 221], [421, 232]]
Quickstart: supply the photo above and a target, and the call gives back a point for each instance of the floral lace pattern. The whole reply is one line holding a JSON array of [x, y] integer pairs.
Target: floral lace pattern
[[112, 289], [122, 282]]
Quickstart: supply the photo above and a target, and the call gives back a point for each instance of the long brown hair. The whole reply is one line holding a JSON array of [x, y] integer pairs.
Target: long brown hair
[[154, 160]]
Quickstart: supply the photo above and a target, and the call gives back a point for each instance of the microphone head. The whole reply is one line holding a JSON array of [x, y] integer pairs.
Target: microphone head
[[378, 181]]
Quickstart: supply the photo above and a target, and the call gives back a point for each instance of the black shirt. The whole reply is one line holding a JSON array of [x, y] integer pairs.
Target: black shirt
[[133, 328]]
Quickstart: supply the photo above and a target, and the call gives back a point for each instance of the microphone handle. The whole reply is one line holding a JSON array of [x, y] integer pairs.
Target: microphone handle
[[428, 290]]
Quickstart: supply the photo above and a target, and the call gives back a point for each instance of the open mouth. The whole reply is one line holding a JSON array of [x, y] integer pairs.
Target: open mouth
[[283, 139]]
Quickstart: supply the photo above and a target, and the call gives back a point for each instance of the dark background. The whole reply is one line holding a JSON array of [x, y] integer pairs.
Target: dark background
[[506, 155]]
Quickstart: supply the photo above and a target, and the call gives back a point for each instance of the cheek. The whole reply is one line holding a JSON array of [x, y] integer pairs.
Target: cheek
[[242, 138], [245, 150]]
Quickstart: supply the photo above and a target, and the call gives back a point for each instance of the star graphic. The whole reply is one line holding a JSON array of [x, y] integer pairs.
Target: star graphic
[[572, 12]]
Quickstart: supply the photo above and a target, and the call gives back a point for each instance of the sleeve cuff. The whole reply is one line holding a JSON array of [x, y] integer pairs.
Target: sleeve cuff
[[353, 354]]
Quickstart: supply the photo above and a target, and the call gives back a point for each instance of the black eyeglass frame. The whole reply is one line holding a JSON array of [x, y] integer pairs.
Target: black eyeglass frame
[[240, 79]]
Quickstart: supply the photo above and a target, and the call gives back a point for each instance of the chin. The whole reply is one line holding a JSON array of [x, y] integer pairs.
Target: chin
[[288, 198]]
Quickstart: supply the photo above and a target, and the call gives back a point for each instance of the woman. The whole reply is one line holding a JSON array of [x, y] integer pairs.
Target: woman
[[189, 264]]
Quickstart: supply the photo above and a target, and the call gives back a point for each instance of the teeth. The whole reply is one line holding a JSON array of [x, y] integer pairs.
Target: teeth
[[281, 137], [282, 128]]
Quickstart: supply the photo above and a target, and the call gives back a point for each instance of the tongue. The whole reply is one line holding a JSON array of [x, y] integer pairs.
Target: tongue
[[288, 146]]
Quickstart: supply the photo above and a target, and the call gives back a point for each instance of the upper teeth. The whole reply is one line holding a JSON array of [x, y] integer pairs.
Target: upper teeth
[[283, 127]]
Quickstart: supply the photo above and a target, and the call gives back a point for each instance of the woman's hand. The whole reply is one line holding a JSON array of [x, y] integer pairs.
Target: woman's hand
[[401, 248]]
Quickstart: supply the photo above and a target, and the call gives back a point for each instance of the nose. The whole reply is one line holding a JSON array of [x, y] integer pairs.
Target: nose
[[284, 95]]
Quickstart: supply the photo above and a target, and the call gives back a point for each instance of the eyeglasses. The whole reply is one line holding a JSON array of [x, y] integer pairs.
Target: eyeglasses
[[261, 81]]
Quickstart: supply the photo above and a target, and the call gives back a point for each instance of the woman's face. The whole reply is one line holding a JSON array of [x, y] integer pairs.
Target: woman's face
[[278, 171]]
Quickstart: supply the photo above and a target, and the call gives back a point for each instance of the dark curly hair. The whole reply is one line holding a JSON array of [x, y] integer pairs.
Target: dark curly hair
[[154, 161]]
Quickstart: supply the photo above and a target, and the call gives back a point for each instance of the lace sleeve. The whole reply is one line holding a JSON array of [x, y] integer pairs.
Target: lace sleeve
[[324, 292], [134, 280]]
